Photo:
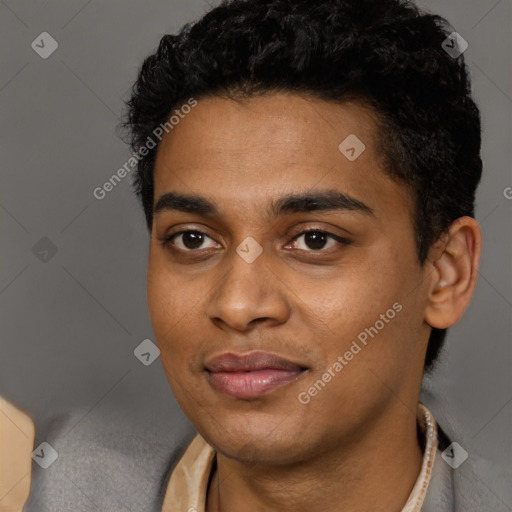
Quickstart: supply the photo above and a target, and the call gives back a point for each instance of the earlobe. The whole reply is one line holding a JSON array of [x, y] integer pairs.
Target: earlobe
[[454, 270]]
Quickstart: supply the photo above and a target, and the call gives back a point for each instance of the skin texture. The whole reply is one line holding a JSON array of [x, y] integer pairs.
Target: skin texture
[[359, 432]]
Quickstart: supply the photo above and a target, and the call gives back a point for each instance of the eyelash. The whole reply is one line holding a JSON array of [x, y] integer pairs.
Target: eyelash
[[165, 241]]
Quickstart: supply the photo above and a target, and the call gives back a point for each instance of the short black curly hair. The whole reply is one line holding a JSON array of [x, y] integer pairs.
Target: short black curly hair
[[386, 54]]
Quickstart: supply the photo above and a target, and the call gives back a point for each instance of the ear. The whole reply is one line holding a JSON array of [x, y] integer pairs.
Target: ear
[[454, 259]]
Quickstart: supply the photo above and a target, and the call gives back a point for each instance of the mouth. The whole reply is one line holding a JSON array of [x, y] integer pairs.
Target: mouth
[[252, 374]]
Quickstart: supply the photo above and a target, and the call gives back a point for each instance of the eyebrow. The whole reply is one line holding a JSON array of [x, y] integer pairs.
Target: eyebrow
[[319, 201]]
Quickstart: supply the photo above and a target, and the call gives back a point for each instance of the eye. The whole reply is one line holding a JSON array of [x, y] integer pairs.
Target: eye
[[188, 241], [316, 240]]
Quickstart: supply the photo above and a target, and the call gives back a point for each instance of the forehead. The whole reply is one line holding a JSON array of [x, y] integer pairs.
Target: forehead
[[254, 150]]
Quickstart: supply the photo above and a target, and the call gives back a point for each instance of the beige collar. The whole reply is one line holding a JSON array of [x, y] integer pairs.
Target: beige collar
[[188, 484]]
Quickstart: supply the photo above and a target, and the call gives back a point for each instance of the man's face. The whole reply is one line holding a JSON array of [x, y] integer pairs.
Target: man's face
[[244, 279]]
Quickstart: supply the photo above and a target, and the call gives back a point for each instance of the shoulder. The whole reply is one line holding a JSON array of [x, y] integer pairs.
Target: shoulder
[[478, 483], [107, 459]]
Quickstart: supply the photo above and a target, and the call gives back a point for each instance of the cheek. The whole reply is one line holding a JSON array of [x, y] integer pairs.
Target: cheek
[[174, 305], [166, 296], [167, 303], [162, 303], [355, 296], [370, 303]]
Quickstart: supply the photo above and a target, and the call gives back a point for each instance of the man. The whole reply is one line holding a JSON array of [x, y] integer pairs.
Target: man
[[308, 174], [310, 203]]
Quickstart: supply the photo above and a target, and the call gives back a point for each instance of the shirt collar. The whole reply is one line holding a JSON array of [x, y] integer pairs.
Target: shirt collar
[[428, 428], [186, 491]]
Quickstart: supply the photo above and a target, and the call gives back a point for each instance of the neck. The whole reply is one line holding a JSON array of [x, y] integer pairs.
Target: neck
[[386, 460]]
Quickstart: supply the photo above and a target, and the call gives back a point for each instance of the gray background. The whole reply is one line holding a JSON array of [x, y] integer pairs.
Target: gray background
[[69, 325]]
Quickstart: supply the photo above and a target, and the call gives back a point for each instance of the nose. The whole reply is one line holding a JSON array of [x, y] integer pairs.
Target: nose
[[248, 294]]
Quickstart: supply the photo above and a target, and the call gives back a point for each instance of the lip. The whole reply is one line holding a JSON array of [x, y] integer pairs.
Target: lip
[[252, 374]]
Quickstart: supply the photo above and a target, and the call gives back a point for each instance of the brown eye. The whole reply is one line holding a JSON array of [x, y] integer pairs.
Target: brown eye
[[192, 239], [316, 240], [186, 241]]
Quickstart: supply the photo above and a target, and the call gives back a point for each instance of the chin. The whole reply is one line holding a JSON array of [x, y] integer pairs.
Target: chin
[[254, 441]]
